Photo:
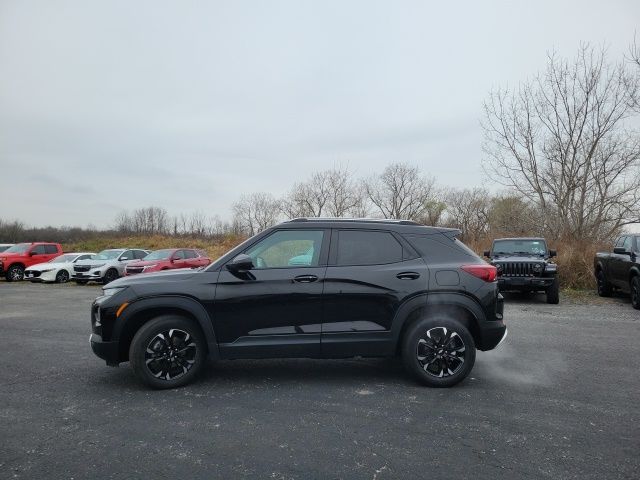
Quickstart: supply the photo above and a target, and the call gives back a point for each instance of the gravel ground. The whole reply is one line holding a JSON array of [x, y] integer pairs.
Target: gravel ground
[[558, 399]]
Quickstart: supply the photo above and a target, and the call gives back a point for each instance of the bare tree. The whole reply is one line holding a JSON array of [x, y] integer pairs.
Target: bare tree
[[562, 141], [256, 212], [400, 191], [468, 210]]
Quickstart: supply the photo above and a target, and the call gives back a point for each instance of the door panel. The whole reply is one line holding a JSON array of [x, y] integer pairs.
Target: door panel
[[275, 308], [255, 313], [360, 301]]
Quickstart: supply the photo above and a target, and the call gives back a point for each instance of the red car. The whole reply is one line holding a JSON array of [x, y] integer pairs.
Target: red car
[[168, 259], [14, 260]]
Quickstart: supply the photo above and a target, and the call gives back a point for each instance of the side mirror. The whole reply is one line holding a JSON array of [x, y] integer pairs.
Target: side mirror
[[621, 251], [552, 253], [487, 253], [241, 263]]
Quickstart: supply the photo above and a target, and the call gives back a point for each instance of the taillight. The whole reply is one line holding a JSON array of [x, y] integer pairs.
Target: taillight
[[488, 273]]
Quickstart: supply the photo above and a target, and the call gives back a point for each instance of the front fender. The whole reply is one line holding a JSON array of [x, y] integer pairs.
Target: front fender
[[171, 304]]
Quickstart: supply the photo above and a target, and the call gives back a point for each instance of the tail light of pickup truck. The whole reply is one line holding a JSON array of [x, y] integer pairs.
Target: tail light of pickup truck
[[488, 273]]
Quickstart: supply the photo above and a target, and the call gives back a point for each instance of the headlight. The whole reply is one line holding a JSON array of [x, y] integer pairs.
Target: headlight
[[150, 266], [110, 291], [45, 271]]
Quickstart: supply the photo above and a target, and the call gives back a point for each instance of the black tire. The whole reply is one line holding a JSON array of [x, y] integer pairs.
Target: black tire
[[110, 275], [434, 360], [553, 292], [604, 287], [635, 292], [15, 273], [181, 363], [81, 282], [62, 276]]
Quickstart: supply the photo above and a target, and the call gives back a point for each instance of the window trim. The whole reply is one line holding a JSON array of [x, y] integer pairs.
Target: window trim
[[324, 249], [335, 238]]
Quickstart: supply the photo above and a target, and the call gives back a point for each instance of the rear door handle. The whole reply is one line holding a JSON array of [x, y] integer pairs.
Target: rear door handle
[[305, 278], [408, 275]]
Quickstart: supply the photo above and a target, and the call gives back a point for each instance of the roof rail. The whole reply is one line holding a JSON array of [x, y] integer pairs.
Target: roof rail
[[360, 220]]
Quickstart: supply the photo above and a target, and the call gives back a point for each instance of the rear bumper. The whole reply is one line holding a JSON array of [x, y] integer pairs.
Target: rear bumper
[[524, 283], [108, 351], [492, 334]]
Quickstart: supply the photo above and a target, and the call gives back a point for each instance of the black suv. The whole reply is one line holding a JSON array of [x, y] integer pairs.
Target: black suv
[[320, 288], [524, 265]]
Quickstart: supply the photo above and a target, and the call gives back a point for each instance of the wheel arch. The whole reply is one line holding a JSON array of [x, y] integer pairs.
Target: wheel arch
[[142, 311], [457, 305]]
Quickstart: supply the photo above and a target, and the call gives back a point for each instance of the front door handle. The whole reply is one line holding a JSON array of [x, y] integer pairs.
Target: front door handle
[[408, 275], [305, 278]]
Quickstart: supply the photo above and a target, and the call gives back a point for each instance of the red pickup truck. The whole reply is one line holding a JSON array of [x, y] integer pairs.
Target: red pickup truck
[[14, 260]]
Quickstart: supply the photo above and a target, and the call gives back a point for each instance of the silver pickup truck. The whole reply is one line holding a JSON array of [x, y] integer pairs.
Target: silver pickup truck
[[107, 266]]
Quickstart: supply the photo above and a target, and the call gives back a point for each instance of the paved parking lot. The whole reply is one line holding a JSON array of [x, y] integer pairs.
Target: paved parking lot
[[559, 399]]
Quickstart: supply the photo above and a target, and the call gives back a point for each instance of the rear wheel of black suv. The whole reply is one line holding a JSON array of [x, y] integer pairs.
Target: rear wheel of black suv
[[439, 351], [167, 352], [553, 292]]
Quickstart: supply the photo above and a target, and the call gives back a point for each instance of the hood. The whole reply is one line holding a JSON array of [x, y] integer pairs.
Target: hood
[[518, 258], [144, 263], [48, 265], [177, 275], [96, 262]]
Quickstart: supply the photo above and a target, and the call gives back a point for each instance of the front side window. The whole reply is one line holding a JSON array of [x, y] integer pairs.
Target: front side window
[[627, 244], [620, 242], [190, 254], [361, 247], [288, 248], [179, 255], [128, 255], [39, 250]]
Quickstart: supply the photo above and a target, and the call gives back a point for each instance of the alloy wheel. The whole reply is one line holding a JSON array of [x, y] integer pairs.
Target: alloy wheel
[[440, 352], [16, 274], [170, 354], [62, 276]]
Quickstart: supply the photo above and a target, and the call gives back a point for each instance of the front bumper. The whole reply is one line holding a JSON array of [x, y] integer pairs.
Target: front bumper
[[524, 283], [108, 351], [91, 275], [42, 277]]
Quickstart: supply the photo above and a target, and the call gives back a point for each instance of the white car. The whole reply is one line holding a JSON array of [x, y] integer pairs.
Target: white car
[[107, 265], [57, 270]]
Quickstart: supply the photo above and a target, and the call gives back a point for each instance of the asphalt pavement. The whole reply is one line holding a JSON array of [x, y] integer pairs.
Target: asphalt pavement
[[560, 398]]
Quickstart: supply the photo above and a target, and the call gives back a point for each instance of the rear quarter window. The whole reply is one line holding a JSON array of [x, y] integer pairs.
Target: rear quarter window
[[438, 248]]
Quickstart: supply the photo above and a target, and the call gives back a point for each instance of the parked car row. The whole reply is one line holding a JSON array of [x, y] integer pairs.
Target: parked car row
[[45, 262]]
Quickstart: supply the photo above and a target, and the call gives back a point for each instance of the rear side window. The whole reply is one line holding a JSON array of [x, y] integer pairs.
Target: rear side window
[[362, 247], [50, 249], [440, 249]]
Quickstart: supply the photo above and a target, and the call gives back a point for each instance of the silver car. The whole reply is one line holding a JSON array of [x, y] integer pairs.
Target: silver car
[[106, 266]]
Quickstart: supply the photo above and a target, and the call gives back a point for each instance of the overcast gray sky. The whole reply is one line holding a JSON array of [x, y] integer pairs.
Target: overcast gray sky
[[111, 105]]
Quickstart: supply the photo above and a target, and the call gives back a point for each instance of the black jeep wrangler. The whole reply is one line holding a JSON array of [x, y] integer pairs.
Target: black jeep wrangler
[[524, 265]]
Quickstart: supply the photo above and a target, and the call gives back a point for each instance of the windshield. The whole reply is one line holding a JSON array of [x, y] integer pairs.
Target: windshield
[[108, 254], [69, 257], [159, 255], [18, 248], [522, 247]]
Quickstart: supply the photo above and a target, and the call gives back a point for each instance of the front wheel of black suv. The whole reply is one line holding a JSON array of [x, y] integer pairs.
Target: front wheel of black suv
[[167, 352], [635, 292], [438, 351], [553, 292]]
